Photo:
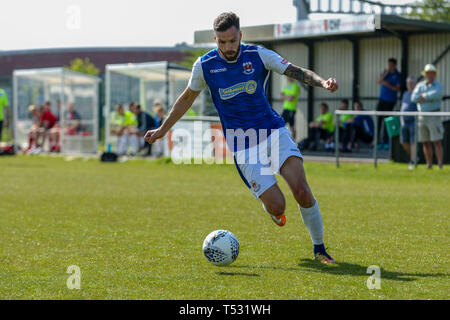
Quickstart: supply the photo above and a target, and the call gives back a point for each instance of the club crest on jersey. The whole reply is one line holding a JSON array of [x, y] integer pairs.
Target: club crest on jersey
[[248, 68], [255, 186]]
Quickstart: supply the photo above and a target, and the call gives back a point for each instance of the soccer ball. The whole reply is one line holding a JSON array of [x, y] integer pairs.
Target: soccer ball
[[221, 247]]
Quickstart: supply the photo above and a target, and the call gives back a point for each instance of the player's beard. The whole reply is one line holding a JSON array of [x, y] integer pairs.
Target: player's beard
[[231, 55]]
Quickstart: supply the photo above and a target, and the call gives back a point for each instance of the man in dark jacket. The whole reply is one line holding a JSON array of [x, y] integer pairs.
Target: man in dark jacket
[[145, 123]]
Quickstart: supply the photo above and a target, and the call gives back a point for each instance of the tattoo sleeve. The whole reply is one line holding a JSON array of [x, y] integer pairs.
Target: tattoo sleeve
[[304, 75]]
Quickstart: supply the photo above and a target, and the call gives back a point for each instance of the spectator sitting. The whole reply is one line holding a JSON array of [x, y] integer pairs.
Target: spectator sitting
[[321, 128], [51, 127], [116, 120], [47, 120], [117, 128], [343, 119], [74, 126], [73, 120], [160, 114], [359, 128], [145, 123], [407, 137], [159, 119], [55, 132], [32, 133], [126, 131]]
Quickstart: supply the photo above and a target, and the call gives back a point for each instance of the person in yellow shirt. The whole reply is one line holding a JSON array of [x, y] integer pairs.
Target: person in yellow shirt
[[4, 103], [191, 113], [127, 129], [290, 95]]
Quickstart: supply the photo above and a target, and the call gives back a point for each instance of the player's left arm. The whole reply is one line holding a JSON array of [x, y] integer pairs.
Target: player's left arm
[[273, 61], [310, 78]]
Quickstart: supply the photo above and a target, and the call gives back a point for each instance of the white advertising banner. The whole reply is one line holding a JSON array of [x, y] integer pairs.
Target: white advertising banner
[[308, 28], [197, 140]]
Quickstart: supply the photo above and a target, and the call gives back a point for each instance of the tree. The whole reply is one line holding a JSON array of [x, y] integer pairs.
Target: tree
[[432, 10], [192, 55], [84, 66]]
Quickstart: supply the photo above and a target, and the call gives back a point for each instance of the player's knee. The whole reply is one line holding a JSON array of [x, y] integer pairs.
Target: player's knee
[[303, 194]]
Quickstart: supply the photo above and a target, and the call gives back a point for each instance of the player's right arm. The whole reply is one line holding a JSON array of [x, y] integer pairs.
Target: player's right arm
[[181, 105]]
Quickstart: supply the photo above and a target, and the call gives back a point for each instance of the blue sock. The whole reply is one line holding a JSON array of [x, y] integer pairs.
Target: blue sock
[[319, 248]]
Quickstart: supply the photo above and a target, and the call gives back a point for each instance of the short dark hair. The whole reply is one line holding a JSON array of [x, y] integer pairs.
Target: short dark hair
[[325, 105], [359, 102], [345, 101], [225, 21], [393, 60]]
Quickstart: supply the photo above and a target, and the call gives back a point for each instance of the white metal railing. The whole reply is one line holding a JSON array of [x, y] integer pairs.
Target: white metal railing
[[201, 118], [376, 114]]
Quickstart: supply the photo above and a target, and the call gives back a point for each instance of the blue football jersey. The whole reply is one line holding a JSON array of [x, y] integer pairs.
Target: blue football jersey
[[238, 88]]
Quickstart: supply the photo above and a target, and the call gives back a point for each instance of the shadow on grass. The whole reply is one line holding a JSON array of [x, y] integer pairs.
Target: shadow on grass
[[233, 274], [265, 267], [343, 268]]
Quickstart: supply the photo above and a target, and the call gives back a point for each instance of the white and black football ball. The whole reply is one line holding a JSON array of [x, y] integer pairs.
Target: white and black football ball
[[221, 247]]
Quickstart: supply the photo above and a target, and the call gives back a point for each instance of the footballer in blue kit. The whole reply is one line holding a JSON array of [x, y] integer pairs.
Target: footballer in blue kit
[[237, 75]]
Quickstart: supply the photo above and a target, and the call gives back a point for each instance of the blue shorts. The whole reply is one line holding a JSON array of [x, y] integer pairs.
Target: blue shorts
[[408, 132], [257, 165]]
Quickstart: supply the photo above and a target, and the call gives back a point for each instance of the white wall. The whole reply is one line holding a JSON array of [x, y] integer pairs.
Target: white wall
[[333, 59]]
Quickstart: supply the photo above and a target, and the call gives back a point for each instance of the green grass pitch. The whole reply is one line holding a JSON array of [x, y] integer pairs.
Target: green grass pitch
[[136, 229]]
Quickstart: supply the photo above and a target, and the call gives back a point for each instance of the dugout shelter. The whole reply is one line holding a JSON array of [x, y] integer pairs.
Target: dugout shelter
[[61, 87], [143, 83]]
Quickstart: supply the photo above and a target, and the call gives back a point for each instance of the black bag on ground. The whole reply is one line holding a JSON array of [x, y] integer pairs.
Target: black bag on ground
[[108, 157]]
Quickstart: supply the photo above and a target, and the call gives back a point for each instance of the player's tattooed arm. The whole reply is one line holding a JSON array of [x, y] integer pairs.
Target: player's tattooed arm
[[310, 78], [304, 75]]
